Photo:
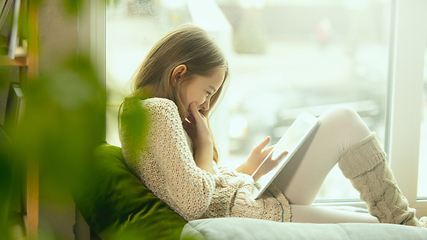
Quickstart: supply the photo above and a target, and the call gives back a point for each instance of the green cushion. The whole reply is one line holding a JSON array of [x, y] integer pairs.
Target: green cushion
[[116, 205]]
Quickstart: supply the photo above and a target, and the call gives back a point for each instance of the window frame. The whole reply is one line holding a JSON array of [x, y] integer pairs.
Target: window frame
[[406, 70]]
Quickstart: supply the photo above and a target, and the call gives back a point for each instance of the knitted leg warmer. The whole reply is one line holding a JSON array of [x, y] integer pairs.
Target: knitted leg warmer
[[365, 165]]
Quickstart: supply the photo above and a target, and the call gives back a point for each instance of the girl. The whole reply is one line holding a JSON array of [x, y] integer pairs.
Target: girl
[[176, 158]]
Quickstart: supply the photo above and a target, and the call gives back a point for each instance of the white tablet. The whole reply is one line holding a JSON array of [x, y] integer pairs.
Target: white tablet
[[290, 141]]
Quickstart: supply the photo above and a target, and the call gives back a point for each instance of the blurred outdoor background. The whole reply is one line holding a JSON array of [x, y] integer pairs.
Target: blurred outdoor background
[[285, 56]]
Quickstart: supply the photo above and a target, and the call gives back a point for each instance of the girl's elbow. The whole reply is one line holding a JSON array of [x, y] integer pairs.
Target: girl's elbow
[[198, 208], [198, 202]]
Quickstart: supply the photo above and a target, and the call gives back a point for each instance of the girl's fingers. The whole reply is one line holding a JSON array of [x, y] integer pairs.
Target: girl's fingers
[[281, 156], [263, 144], [199, 118], [268, 150], [191, 118], [194, 112], [186, 124]]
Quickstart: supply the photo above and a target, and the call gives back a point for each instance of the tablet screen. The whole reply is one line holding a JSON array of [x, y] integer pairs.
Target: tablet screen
[[291, 141]]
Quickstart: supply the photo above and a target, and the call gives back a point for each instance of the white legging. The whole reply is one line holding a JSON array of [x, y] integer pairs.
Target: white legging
[[305, 173]]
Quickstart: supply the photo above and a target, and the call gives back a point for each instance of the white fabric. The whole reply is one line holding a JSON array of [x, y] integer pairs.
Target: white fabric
[[248, 229]]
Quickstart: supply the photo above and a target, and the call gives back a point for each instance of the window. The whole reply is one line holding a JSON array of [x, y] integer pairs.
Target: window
[[405, 109], [284, 56]]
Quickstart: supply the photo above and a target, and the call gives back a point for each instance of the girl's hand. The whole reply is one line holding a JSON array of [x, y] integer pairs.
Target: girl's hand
[[269, 165], [258, 154], [197, 129]]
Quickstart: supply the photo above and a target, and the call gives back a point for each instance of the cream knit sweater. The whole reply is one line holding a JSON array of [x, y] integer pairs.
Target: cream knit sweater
[[166, 166]]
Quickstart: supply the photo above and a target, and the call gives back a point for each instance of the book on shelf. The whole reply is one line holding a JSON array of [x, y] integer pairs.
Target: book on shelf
[[13, 40], [5, 6], [13, 110], [9, 20]]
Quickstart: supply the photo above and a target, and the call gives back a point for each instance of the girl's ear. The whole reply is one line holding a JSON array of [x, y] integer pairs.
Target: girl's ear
[[177, 73]]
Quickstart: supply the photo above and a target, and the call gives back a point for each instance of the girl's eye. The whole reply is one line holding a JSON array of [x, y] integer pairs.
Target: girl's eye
[[209, 93]]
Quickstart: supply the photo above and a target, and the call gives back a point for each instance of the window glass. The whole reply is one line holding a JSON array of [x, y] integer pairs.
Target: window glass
[[285, 56]]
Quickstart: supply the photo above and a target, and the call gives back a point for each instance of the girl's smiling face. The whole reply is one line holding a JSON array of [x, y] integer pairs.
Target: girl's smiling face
[[200, 90]]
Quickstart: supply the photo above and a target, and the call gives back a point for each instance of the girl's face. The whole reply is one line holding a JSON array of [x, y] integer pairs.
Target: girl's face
[[200, 89]]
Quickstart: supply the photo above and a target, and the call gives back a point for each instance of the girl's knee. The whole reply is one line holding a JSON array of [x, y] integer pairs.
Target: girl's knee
[[342, 115], [344, 122], [342, 112]]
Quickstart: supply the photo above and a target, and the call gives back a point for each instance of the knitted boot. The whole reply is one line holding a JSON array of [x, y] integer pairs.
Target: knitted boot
[[365, 165]]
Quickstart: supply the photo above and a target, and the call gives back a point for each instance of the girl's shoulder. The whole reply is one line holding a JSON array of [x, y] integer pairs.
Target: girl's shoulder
[[162, 103], [161, 107], [152, 109], [154, 103], [150, 106]]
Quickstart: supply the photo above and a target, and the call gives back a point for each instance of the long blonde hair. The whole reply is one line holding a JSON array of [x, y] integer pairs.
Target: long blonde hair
[[188, 45]]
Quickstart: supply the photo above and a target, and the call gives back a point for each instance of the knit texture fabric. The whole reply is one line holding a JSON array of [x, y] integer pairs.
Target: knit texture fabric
[[365, 165], [423, 222], [165, 165]]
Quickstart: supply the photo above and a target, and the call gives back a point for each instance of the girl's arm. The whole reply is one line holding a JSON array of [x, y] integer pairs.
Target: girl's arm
[[188, 187], [203, 157], [197, 129]]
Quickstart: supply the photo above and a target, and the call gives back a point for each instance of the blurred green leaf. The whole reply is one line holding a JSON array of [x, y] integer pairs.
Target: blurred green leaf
[[64, 121], [5, 189], [73, 6], [23, 25], [134, 118], [36, 2]]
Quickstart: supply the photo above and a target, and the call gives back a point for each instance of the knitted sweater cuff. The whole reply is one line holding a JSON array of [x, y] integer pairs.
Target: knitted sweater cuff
[[361, 157]]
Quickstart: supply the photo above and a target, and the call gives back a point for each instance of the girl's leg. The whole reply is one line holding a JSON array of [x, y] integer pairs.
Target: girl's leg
[[343, 137], [309, 214], [366, 166], [301, 179]]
